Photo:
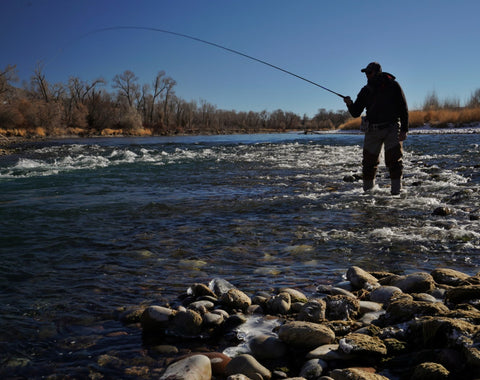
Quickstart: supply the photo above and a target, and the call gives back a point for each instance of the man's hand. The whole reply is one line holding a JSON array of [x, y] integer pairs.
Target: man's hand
[[348, 100], [402, 136]]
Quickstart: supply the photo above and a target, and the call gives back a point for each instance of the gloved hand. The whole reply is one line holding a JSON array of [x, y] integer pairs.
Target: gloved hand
[[348, 101]]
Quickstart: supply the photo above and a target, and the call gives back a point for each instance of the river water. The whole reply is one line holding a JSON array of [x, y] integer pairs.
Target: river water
[[90, 226]]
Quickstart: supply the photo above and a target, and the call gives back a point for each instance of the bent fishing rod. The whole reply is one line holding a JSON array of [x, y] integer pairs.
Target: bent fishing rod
[[215, 45]]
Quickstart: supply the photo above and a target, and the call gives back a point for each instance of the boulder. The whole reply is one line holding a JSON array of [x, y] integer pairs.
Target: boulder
[[448, 276], [236, 299], [414, 283], [196, 367], [342, 307], [267, 347], [247, 365], [429, 370], [361, 344], [156, 318], [355, 374], [361, 279], [312, 311], [305, 334]]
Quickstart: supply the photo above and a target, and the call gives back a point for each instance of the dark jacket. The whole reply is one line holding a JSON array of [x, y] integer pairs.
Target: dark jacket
[[384, 100]]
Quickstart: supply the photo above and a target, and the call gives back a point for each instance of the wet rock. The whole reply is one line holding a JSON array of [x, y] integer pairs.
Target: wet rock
[[236, 299], [201, 290], [313, 369], [414, 283], [187, 323], [313, 311], [218, 361], [355, 374], [247, 365], [165, 349], [342, 307], [430, 371], [448, 276], [328, 352], [384, 294], [361, 279], [472, 354], [424, 297], [195, 367], [305, 334], [238, 377], [461, 294], [219, 286], [279, 304], [442, 211], [361, 344], [267, 347], [156, 318]]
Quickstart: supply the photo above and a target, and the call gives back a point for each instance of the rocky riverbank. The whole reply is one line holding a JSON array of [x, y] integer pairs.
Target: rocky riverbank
[[371, 326]]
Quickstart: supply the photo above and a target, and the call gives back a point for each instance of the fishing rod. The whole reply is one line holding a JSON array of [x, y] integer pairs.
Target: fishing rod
[[216, 45]]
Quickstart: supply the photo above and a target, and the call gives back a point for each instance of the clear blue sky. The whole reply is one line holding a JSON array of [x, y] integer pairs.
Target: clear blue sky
[[428, 45]]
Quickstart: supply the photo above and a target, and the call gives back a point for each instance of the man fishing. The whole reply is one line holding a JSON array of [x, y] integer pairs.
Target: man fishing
[[386, 123]]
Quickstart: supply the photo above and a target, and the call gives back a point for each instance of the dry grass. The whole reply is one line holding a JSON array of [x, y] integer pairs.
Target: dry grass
[[435, 118]]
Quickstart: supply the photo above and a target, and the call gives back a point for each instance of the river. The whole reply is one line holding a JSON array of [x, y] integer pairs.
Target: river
[[88, 226]]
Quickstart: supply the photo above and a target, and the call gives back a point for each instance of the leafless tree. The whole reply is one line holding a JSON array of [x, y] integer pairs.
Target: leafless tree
[[127, 86]]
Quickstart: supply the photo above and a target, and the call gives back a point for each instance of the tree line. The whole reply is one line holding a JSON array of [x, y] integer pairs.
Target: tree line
[[87, 108]]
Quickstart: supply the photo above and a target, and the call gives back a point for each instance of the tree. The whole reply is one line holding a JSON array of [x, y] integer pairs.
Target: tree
[[127, 86], [40, 86], [7, 75]]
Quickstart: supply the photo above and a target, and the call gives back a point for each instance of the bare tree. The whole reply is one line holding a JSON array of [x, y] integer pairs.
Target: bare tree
[[7, 75], [40, 84], [127, 86]]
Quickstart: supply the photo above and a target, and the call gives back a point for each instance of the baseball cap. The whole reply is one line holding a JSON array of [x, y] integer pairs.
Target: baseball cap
[[372, 66]]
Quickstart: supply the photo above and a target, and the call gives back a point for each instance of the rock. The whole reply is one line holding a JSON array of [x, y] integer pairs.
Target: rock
[[361, 344], [313, 311], [212, 319], [238, 377], [430, 371], [361, 279], [442, 211], [440, 331], [218, 361], [201, 290], [333, 291], [188, 323], [384, 294], [156, 318], [313, 369], [305, 334], [448, 276], [279, 304], [236, 299], [355, 374], [247, 365], [414, 283], [405, 309], [463, 294], [267, 347], [219, 286], [195, 367], [424, 297], [201, 306], [341, 307], [369, 307], [328, 352], [295, 295], [165, 349]]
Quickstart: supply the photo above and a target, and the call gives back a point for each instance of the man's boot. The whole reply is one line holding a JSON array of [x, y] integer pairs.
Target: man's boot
[[396, 186], [368, 184]]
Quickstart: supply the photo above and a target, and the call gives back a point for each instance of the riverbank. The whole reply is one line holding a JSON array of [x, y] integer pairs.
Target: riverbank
[[374, 325]]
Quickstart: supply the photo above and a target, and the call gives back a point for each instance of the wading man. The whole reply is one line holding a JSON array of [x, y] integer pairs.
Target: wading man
[[385, 123]]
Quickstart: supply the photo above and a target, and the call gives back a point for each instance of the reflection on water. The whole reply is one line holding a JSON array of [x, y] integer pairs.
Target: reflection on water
[[88, 226]]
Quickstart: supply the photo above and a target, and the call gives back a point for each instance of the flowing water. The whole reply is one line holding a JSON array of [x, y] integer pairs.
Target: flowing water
[[90, 226]]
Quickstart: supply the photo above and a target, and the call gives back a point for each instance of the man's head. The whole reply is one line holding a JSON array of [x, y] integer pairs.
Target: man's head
[[372, 69]]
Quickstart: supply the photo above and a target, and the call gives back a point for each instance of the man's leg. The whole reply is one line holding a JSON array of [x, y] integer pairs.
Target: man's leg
[[372, 146], [394, 160]]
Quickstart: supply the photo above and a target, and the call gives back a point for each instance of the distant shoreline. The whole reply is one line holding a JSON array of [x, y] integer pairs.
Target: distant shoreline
[[8, 145]]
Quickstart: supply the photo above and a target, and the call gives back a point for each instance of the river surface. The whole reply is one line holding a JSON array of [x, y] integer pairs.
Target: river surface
[[91, 226]]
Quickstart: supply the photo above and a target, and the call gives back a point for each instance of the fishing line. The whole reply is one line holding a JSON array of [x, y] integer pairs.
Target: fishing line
[[212, 44]]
